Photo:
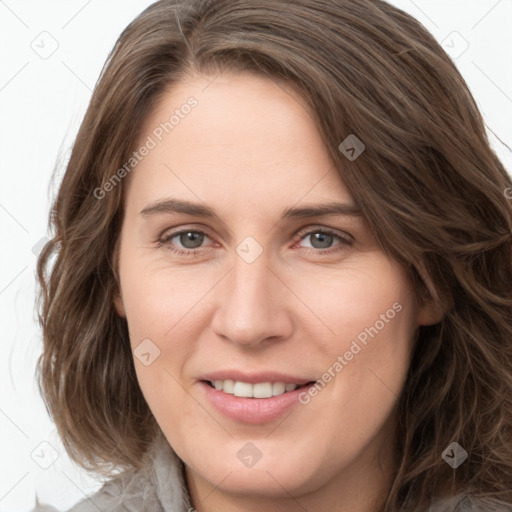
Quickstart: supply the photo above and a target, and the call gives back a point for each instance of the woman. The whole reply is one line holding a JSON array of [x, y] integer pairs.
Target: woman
[[282, 269]]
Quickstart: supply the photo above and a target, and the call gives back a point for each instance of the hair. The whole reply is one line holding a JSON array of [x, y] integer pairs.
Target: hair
[[428, 183]]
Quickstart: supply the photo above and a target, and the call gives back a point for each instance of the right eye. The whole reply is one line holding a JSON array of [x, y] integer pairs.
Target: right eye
[[186, 242]]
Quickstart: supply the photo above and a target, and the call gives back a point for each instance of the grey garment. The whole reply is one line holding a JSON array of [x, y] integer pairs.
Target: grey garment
[[468, 503], [158, 488], [161, 488]]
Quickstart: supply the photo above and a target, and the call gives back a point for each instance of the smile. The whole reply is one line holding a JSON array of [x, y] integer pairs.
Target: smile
[[256, 402], [248, 390]]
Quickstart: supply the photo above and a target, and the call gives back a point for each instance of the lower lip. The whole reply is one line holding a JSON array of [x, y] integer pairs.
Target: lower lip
[[252, 410]]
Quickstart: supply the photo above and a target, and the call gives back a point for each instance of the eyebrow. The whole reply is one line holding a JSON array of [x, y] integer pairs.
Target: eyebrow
[[170, 205]]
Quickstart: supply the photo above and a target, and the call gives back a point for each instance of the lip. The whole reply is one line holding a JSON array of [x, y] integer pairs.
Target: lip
[[252, 410], [255, 378]]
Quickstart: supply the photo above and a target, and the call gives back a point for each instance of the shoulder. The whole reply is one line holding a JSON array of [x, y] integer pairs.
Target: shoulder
[[470, 503], [115, 496], [134, 494], [158, 487], [123, 495]]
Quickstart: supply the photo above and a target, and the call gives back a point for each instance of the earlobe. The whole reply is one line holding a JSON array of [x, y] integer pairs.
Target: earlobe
[[118, 299], [429, 314], [118, 303]]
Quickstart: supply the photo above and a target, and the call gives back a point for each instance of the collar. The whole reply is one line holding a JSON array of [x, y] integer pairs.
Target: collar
[[168, 477]]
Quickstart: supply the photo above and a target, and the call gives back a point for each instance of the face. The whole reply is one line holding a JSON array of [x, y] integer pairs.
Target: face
[[233, 285]]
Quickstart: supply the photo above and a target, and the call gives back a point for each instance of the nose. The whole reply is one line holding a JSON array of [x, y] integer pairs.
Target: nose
[[252, 305]]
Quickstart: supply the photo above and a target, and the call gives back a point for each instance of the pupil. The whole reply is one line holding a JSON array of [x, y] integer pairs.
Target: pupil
[[195, 238], [324, 240]]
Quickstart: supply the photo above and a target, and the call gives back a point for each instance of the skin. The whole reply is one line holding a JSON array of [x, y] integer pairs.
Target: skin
[[249, 150]]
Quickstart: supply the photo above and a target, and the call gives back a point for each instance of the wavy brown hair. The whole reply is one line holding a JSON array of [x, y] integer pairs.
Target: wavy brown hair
[[428, 183]]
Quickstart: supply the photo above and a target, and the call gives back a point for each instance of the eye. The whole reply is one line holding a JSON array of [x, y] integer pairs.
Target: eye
[[186, 241], [322, 240]]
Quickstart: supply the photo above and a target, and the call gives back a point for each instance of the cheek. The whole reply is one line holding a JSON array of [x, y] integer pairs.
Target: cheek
[[367, 352], [164, 310], [159, 302], [370, 299]]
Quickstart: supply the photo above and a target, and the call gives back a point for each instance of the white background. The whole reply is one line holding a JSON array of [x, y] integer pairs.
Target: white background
[[42, 101]]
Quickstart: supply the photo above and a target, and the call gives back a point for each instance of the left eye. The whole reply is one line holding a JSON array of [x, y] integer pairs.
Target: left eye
[[321, 239]]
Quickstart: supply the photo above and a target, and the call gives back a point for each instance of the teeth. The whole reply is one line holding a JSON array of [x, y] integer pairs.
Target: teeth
[[228, 386], [278, 388], [243, 389], [262, 390], [246, 390]]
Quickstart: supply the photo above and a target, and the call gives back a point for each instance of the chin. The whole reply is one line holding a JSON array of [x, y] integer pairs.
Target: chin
[[262, 482], [276, 474]]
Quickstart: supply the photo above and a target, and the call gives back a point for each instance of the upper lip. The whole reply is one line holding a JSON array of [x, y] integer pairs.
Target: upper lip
[[254, 378]]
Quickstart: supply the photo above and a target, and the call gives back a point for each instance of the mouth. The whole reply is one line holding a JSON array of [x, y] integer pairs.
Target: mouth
[[257, 402], [267, 389], [253, 397]]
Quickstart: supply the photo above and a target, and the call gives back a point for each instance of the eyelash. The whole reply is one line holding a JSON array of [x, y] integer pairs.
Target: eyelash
[[345, 241]]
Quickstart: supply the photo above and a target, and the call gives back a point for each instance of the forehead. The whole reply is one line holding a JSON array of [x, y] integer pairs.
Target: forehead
[[240, 138]]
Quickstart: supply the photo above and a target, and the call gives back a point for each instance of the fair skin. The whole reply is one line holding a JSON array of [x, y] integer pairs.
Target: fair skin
[[249, 150]]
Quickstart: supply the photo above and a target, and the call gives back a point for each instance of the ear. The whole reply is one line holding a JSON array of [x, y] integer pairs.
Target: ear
[[429, 314], [118, 303], [118, 299]]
